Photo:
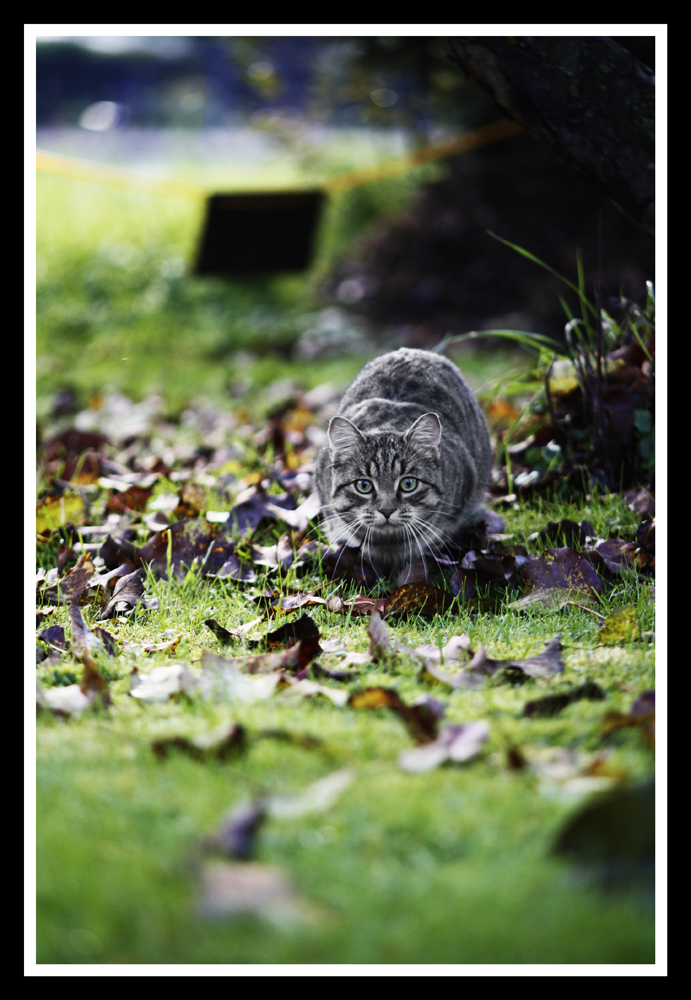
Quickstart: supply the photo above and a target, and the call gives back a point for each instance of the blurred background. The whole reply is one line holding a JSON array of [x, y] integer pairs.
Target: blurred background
[[401, 261]]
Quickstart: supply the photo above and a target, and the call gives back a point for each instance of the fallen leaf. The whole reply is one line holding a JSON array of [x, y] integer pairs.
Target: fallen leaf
[[229, 889], [285, 603], [72, 585], [420, 718], [620, 626], [417, 598], [169, 646], [616, 553], [41, 615], [53, 512], [545, 664], [222, 562], [54, 635], [92, 684], [222, 679], [221, 743], [305, 631], [191, 539], [455, 743], [380, 641], [245, 517], [317, 797], [462, 680], [133, 498], [564, 568], [116, 552], [236, 835], [565, 533], [69, 700], [159, 684], [127, 593], [225, 635], [551, 598], [554, 703], [306, 689]]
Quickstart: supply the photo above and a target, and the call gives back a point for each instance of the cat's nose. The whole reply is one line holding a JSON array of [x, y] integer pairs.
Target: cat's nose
[[387, 511]]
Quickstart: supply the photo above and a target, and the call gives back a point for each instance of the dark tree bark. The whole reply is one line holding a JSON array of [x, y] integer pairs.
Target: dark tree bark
[[588, 98]]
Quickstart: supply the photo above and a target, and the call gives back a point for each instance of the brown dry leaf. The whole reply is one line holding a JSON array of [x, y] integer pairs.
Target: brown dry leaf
[[278, 556], [416, 571], [553, 704], [303, 632], [362, 606], [92, 684], [105, 579], [73, 584], [222, 562], [417, 598], [169, 646], [133, 498], [234, 888], [225, 635], [455, 743], [307, 689], [420, 718], [245, 517], [162, 682], [224, 679], [616, 553], [561, 568], [380, 641], [462, 680], [551, 598], [545, 664], [54, 635], [116, 552], [223, 742], [42, 614], [191, 539], [283, 604], [641, 716], [127, 593]]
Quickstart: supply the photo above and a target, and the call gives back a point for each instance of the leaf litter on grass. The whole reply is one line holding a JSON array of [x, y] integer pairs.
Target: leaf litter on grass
[[266, 540]]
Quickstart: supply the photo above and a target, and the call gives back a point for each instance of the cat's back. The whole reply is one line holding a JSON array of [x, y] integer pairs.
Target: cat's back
[[415, 381]]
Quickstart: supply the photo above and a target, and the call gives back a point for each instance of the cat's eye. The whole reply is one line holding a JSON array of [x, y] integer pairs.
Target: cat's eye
[[363, 486], [408, 484]]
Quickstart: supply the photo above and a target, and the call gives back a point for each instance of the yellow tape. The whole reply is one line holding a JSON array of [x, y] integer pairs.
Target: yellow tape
[[83, 170], [469, 140], [67, 166]]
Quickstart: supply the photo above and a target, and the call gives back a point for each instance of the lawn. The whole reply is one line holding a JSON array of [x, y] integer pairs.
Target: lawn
[[453, 865]]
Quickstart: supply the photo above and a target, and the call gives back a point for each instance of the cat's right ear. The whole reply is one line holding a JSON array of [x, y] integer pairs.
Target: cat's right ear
[[344, 437]]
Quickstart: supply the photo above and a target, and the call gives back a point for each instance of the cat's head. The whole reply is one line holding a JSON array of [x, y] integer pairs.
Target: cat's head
[[386, 488]]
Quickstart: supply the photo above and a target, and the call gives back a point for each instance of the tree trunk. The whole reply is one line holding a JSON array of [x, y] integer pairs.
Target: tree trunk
[[588, 98]]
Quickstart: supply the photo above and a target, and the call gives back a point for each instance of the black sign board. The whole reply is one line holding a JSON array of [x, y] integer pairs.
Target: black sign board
[[254, 233]]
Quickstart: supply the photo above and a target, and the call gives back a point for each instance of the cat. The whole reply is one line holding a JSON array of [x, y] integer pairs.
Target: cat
[[406, 462]]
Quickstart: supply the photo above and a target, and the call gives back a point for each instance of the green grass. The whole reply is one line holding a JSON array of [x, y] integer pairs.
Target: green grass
[[452, 866]]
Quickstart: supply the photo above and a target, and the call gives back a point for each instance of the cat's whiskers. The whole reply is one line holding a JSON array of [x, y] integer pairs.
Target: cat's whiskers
[[430, 548], [416, 537], [434, 533]]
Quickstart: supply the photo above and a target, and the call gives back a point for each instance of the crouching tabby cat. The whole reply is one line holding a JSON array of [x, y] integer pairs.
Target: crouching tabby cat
[[407, 460]]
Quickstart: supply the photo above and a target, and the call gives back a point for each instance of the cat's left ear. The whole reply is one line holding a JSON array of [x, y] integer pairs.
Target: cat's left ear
[[425, 434]]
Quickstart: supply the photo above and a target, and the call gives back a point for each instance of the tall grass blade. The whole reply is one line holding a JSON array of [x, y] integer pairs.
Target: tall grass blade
[[536, 260], [532, 341]]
